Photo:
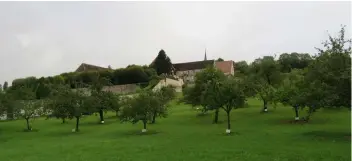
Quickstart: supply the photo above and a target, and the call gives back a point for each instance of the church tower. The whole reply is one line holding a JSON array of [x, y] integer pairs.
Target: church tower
[[205, 55]]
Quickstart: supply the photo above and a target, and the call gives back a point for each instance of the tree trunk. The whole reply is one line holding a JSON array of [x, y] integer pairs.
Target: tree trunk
[[310, 111], [204, 110], [154, 116], [101, 114], [216, 117], [144, 124], [296, 111], [228, 120], [77, 123], [28, 126], [63, 120], [265, 104], [9, 113]]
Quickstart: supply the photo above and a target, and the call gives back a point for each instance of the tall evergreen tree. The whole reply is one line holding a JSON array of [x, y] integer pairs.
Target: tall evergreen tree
[[220, 59], [162, 63]]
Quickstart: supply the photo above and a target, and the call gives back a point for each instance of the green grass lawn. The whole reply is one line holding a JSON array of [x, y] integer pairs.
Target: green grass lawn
[[184, 136]]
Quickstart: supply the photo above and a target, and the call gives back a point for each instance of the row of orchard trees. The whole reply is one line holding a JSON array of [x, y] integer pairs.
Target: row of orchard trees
[[295, 80], [66, 96], [65, 103]]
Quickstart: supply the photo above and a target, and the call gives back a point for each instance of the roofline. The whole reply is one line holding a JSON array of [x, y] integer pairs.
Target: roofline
[[193, 62], [93, 65]]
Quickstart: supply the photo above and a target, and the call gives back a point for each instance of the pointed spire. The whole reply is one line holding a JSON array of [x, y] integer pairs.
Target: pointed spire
[[205, 54]]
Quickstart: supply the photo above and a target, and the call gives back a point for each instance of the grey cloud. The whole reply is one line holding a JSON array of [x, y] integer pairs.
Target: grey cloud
[[48, 38]]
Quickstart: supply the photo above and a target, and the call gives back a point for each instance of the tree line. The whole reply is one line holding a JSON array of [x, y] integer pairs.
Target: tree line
[[132, 74]]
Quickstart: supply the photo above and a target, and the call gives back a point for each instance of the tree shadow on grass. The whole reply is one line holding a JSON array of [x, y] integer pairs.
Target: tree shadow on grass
[[234, 133], [32, 130], [96, 123], [6, 120], [329, 135], [132, 133], [111, 118], [64, 133], [139, 132], [26, 130], [291, 121], [3, 139]]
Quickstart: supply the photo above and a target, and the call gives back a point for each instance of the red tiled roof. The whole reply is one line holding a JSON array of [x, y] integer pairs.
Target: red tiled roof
[[224, 66]]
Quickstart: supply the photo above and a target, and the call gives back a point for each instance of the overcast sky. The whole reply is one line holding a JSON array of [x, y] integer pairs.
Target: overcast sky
[[49, 38]]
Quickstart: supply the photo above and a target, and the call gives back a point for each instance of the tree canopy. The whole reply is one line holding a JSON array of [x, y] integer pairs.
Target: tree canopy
[[162, 63]]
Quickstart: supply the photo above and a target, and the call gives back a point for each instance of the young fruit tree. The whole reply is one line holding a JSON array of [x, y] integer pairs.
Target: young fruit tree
[[233, 97], [77, 105], [163, 97], [99, 102], [191, 96], [264, 79], [99, 99], [227, 94], [208, 77], [114, 102], [314, 97], [58, 104], [29, 110], [71, 104], [24, 105], [292, 91], [141, 108]]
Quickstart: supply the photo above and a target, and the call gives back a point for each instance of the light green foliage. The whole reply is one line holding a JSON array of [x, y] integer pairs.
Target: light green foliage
[[66, 103], [206, 82], [162, 97], [232, 96], [146, 106], [114, 101], [292, 91], [28, 110], [331, 72], [139, 108], [23, 104], [264, 79], [59, 103], [102, 101]]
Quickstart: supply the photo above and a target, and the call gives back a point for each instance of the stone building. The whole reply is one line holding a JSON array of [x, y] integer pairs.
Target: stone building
[[227, 67], [187, 71]]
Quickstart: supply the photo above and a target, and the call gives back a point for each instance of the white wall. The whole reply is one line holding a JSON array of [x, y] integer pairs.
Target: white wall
[[166, 82]]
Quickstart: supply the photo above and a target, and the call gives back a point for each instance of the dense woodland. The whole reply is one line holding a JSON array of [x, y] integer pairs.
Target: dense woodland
[[298, 80]]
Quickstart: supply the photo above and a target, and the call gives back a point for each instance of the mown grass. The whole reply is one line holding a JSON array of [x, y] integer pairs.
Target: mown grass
[[184, 136]]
